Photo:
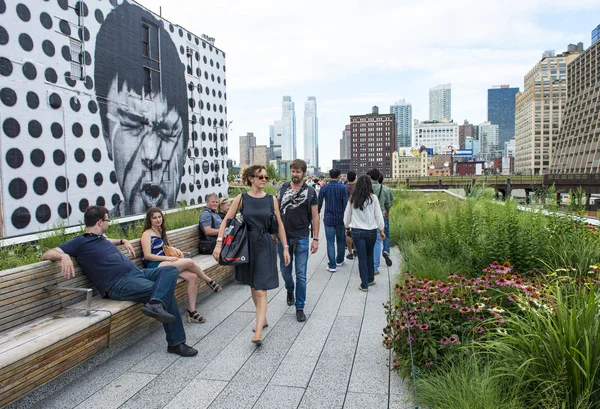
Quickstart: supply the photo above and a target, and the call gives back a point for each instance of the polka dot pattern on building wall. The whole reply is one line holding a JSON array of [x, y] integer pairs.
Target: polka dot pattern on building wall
[[51, 119]]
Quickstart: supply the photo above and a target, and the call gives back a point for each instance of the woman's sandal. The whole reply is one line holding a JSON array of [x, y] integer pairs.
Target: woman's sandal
[[264, 326], [215, 286], [195, 317]]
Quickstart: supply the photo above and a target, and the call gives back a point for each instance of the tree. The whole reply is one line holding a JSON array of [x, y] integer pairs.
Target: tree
[[231, 174], [272, 172]]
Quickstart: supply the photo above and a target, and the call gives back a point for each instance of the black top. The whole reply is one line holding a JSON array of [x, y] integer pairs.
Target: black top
[[295, 209], [100, 260]]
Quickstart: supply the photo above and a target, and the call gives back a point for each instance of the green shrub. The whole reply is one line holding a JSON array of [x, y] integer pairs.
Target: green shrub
[[466, 383], [554, 353]]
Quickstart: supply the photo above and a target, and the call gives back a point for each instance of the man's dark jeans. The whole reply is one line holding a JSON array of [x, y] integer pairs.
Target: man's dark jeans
[[335, 235], [153, 284], [364, 242]]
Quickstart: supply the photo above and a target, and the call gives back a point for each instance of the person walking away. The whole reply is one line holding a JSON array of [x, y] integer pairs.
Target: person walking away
[[364, 218], [383, 196], [350, 183], [260, 273], [298, 207], [387, 241], [335, 196]]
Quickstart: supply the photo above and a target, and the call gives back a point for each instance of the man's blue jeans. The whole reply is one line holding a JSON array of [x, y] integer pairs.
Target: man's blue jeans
[[382, 243], [299, 247], [153, 284], [335, 234], [386, 230], [364, 242]]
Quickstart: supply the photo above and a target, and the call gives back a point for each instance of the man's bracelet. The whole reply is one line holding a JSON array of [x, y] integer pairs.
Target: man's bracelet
[[121, 242]]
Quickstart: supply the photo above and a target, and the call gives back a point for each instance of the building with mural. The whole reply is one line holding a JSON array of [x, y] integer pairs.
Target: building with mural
[[105, 103]]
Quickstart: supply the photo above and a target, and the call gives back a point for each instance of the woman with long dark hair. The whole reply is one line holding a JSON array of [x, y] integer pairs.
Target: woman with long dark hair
[[260, 273], [363, 217], [154, 238]]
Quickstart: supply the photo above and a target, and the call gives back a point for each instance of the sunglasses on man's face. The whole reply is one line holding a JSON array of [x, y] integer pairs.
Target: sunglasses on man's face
[[261, 177]]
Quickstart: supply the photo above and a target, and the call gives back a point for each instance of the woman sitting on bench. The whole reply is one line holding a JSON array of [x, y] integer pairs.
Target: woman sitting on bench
[[153, 241]]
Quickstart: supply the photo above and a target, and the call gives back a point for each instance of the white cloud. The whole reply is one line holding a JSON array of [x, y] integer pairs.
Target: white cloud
[[353, 54]]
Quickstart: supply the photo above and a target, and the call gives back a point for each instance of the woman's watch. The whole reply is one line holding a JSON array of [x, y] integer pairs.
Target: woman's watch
[[317, 240]]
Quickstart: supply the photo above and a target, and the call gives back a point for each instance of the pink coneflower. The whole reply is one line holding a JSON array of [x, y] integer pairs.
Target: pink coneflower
[[444, 341], [411, 339], [465, 310], [478, 330], [454, 306], [423, 327], [453, 340]]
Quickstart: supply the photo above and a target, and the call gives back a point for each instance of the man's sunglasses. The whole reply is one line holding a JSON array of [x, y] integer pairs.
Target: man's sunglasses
[[261, 177]]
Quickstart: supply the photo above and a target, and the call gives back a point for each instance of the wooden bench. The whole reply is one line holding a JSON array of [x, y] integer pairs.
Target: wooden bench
[[44, 329]]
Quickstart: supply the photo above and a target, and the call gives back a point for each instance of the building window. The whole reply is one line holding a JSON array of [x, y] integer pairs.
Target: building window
[[76, 51], [147, 83], [146, 40]]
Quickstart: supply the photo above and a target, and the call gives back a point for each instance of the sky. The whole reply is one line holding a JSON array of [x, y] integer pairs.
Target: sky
[[353, 54]]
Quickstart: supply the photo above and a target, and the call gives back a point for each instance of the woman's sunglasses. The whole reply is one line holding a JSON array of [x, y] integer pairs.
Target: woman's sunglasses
[[261, 177]]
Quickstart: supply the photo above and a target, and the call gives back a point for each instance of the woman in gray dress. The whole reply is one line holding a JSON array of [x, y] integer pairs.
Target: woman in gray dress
[[260, 273]]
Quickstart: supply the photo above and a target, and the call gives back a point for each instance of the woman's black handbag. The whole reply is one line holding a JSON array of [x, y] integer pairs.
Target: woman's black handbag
[[274, 226], [234, 250]]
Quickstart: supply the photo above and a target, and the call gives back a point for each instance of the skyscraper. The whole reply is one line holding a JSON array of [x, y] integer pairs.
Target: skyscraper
[[440, 102], [345, 146], [501, 111], [441, 136], [577, 148], [311, 133], [373, 141], [282, 134], [488, 138], [288, 129], [595, 34], [403, 113], [247, 144], [539, 111]]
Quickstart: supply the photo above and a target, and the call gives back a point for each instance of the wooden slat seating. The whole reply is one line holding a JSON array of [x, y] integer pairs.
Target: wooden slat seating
[[44, 330]]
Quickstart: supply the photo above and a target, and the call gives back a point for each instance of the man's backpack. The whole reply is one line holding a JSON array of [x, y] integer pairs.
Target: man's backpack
[[206, 244]]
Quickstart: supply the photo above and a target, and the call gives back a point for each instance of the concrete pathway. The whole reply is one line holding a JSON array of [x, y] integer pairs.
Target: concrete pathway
[[333, 360]]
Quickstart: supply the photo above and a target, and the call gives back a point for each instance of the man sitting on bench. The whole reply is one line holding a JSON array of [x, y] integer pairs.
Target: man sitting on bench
[[116, 277]]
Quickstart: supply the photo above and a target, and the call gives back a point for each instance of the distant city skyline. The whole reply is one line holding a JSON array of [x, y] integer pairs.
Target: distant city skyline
[[270, 54]]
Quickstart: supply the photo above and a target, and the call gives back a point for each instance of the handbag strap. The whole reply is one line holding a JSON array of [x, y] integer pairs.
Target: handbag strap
[[240, 204]]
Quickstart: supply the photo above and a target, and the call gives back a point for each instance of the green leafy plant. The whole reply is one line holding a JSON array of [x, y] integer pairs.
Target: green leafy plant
[[553, 353]]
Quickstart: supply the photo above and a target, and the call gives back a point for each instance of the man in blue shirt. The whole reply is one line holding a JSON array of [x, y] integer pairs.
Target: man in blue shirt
[[209, 218], [116, 277], [335, 196]]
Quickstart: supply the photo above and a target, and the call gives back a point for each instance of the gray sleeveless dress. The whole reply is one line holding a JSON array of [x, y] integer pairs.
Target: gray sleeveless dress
[[261, 272]]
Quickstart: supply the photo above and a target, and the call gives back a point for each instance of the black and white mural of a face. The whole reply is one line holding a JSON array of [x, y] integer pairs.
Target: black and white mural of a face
[[104, 103], [143, 107]]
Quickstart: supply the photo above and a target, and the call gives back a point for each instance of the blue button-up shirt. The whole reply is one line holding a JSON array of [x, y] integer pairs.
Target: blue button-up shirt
[[336, 198]]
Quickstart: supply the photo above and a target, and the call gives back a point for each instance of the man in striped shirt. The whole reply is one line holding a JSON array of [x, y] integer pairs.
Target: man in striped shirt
[[335, 196]]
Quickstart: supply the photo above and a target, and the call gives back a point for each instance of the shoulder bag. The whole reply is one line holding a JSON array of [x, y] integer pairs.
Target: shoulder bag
[[274, 226], [206, 244], [234, 250]]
